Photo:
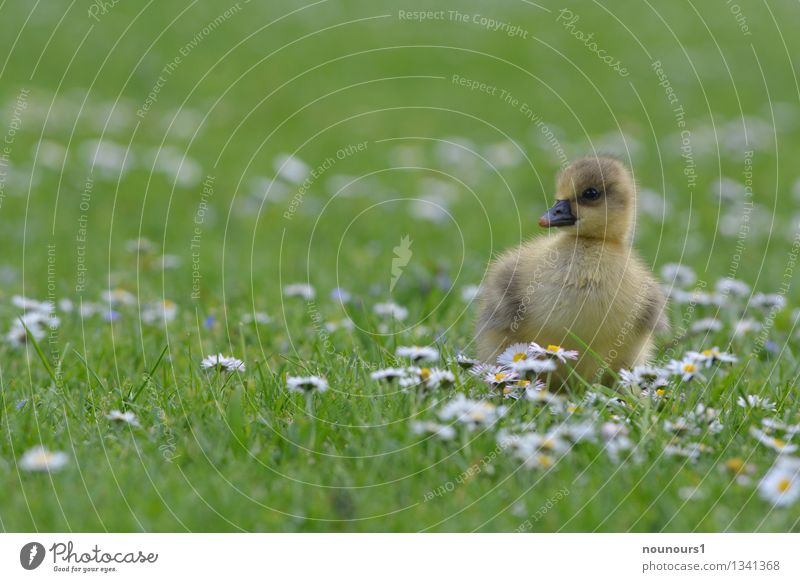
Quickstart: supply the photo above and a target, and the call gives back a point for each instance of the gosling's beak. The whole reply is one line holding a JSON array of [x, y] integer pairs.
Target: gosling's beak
[[559, 215]]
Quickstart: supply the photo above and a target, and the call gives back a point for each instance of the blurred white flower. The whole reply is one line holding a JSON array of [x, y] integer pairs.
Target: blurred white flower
[[781, 485], [306, 384], [418, 353], [678, 274], [291, 168], [443, 431], [471, 413], [40, 459], [754, 401], [127, 417], [222, 363], [390, 309], [303, 290]]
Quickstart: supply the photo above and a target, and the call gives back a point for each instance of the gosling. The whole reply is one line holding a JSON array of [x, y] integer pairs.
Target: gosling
[[582, 288]]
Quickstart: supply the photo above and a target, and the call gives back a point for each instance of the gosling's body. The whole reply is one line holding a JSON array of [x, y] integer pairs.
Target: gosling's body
[[582, 288]]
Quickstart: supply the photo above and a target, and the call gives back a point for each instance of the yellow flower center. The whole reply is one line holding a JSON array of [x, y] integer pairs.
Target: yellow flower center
[[521, 356], [499, 376], [778, 443], [783, 485], [689, 368], [661, 392], [545, 460], [708, 353], [553, 348], [735, 464], [425, 373]]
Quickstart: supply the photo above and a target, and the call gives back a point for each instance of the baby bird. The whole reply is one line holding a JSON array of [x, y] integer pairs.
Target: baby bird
[[582, 288]]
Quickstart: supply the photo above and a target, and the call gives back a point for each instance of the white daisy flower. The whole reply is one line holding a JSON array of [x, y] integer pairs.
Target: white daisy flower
[[40, 459], [303, 290], [781, 485], [222, 363], [776, 444], [514, 353], [435, 378], [28, 304], [417, 353], [732, 287], [140, 246], [471, 413], [390, 309], [690, 451], [539, 395], [388, 374], [678, 274], [772, 424], [469, 293], [127, 417], [533, 367], [643, 377], [160, 311], [291, 168], [306, 384], [443, 431], [687, 369], [495, 375], [768, 301], [258, 317], [118, 297], [465, 362], [712, 356], [746, 326], [346, 324], [553, 351], [755, 401], [705, 325]]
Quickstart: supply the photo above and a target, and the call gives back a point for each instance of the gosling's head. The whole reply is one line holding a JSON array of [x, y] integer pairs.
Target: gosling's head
[[595, 198]]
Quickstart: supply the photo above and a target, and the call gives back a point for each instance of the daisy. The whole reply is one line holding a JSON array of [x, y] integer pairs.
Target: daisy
[[388, 374], [222, 363], [291, 168], [732, 287], [465, 362], [390, 309], [712, 356], [303, 290], [159, 311], [768, 301], [781, 485], [496, 375], [643, 377], [471, 413], [691, 451], [539, 395], [41, 459], [306, 384], [678, 274], [754, 401], [118, 297], [746, 326], [417, 353], [789, 429], [258, 317], [687, 369], [443, 431], [776, 444], [533, 367], [27, 304], [514, 353], [706, 324], [435, 378], [123, 417], [553, 351], [469, 293]]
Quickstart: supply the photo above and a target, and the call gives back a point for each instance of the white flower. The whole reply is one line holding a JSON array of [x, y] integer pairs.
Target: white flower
[[123, 417], [222, 363], [140, 246], [746, 326], [305, 384], [712, 356], [417, 353], [781, 485], [687, 369], [533, 367], [436, 378], [553, 351], [644, 377], [27, 304], [465, 362], [776, 444], [160, 311], [705, 325], [303, 290], [680, 275], [388, 374], [539, 395], [514, 353], [41, 459], [495, 375], [291, 168], [754, 401], [258, 317], [472, 413], [732, 287], [390, 309], [443, 431], [768, 301], [118, 297], [469, 293], [690, 451]]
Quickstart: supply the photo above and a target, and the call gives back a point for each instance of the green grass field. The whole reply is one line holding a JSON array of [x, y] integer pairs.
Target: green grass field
[[143, 154]]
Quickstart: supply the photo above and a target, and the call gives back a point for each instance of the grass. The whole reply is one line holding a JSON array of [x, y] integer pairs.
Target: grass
[[222, 452]]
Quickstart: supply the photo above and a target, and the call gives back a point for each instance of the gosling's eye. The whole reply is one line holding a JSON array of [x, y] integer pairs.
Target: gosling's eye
[[590, 194]]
